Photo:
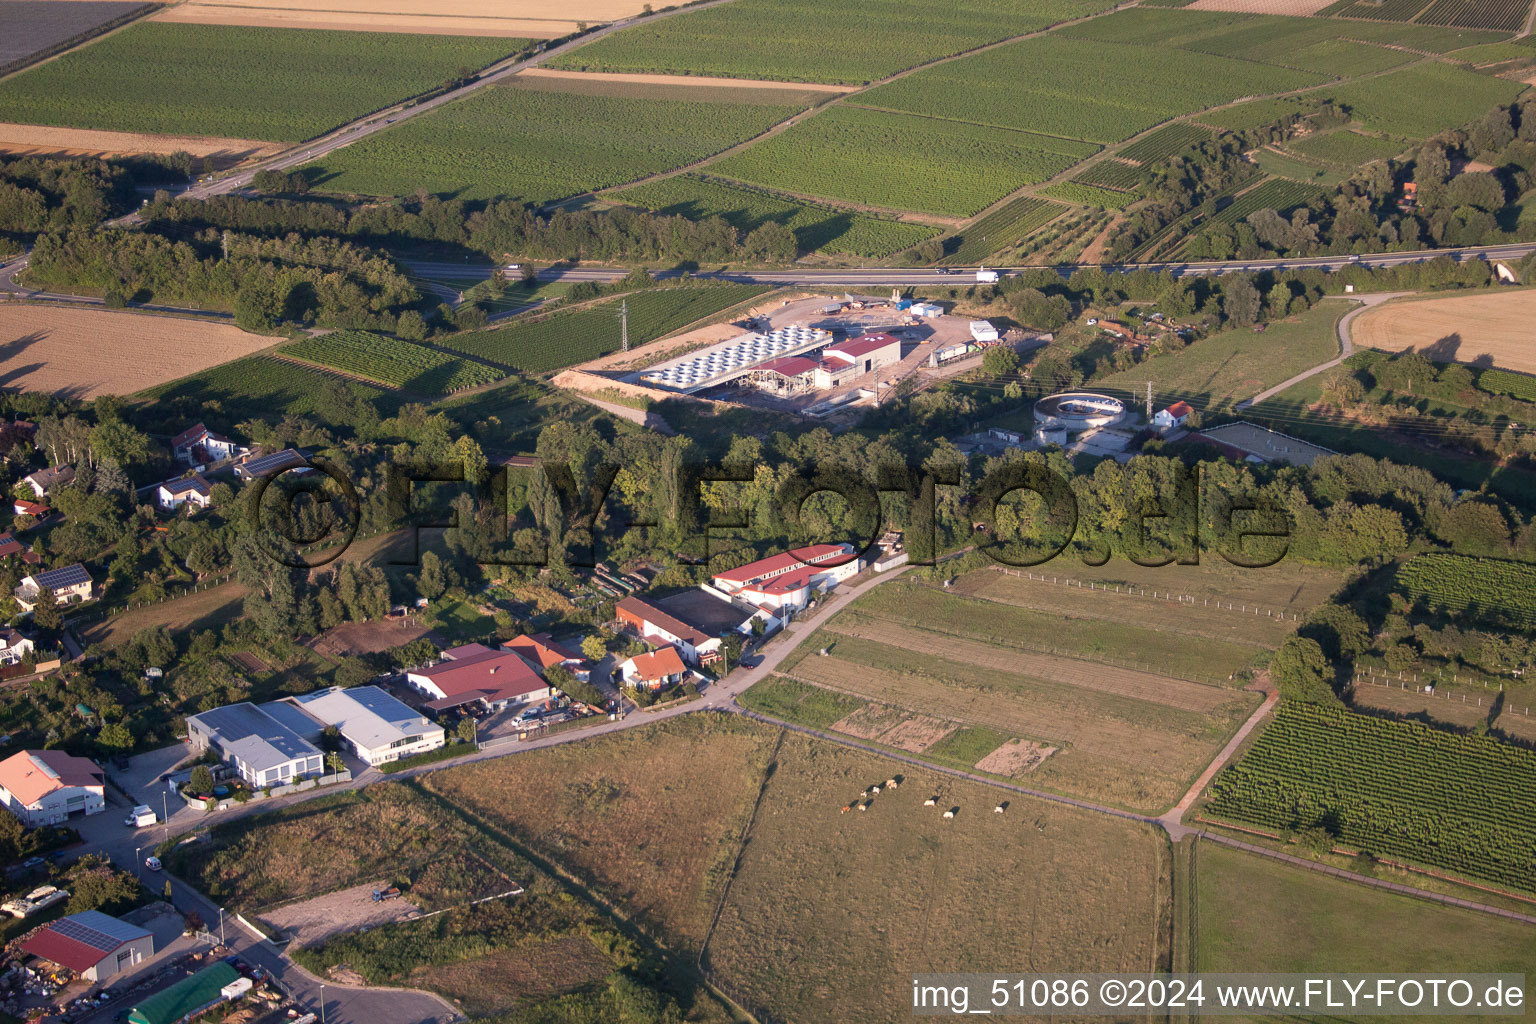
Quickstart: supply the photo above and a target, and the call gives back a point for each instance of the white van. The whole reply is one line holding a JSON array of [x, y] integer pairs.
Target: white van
[[140, 816]]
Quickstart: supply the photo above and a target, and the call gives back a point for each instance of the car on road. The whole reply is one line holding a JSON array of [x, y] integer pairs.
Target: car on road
[[153, 863]]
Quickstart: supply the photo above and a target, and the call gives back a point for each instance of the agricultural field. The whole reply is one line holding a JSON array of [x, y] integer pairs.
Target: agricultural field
[[1498, 593], [1276, 194], [804, 40], [1452, 96], [276, 85], [1292, 168], [45, 141], [1257, 914], [650, 818], [82, 353], [1217, 372], [934, 166], [540, 19], [1080, 89], [1387, 10], [816, 228], [1005, 226], [1089, 195], [1345, 149], [1164, 143], [1502, 382], [1112, 174], [260, 384], [1253, 114], [1492, 328], [391, 362], [566, 338], [1465, 804], [36, 28], [1111, 711], [825, 908], [1500, 15], [538, 142]]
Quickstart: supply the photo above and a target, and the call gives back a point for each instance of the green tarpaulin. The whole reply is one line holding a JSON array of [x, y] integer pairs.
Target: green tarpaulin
[[184, 997]]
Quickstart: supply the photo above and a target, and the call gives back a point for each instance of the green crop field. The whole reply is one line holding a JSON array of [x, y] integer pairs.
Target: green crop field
[[855, 41], [540, 145], [1389, 10], [902, 162], [1089, 195], [575, 336], [1311, 44], [277, 84], [259, 385], [1286, 165], [1502, 15], [1079, 88], [1112, 174], [1276, 194], [1498, 593], [1253, 114], [1462, 803], [1493, 53], [1346, 149], [391, 362], [1507, 382], [816, 228], [1444, 96], [1165, 142], [1007, 225]]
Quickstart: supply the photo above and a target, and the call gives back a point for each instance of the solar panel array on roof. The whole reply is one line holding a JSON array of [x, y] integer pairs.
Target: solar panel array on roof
[[719, 363], [68, 576], [97, 930]]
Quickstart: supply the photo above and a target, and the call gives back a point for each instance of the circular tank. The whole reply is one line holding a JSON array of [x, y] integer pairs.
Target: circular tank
[[1078, 410]]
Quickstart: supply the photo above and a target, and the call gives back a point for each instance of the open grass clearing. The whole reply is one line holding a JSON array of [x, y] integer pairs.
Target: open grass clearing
[[1490, 329], [649, 818], [827, 909], [280, 85]]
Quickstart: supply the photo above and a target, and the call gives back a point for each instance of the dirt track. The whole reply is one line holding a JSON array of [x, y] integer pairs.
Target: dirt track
[[314, 921]]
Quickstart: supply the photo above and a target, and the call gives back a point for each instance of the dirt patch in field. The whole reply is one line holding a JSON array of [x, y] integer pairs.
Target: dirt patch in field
[[249, 661], [39, 140], [531, 19], [917, 733], [1016, 757], [691, 80], [1492, 329], [314, 921], [870, 721], [82, 353], [499, 983], [370, 637], [1294, 8]]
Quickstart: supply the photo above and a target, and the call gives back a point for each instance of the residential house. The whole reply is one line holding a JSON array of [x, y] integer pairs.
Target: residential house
[[92, 944], [46, 787], [654, 671], [262, 749], [1171, 417], [273, 464], [652, 622], [476, 673], [379, 728], [14, 648], [541, 652], [23, 507], [199, 446], [10, 547], [45, 481], [788, 581], [189, 490], [69, 585]]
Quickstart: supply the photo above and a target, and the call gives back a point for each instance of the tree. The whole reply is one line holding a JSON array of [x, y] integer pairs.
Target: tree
[[1000, 361], [593, 648], [411, 326], [466, 730], [1240, 299], [431, 581], [46, 615], [201, 782], [11, 835], [1302, 672]]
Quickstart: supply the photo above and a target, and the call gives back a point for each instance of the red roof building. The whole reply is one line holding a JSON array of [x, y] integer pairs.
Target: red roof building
[[46, 787], [788, 561], [475, 672], [92, 944], [660, 668]]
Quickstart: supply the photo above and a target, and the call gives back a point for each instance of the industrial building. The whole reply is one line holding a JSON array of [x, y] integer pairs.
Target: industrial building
[[722, 363], [789, 580], [92, 944], [853, 359], [265, 745], [379, 728], [189, 997], [984, 331], [46, 787]]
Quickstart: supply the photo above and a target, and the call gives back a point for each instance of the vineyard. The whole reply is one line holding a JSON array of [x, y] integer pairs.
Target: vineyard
[[1309, 44], [816, 228], [1386, 10], [575, 336], [1287, 165], [1465, 804], [263, 385], [541, 145], [794, 39], [391, 362], [1112, 174], [1081, 88], [282, 85], [1089, 195], [1003, 227], [901, 162], [1276, 194], [1252, 114], [1345, 150], [1165, 142], [1503, 382], [1484, 589], [1446, 96], [1502, 15]]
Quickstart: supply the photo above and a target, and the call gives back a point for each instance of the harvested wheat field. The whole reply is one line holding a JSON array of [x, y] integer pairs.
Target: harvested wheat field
[[1492, 329], [83, 353], [527, 19], [828, 913], [41, 140]]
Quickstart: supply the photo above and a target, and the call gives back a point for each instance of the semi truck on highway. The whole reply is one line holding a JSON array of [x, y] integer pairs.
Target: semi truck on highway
[[985, 276]]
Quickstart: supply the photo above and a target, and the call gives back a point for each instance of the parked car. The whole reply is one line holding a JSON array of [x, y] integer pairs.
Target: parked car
[[153, 863]]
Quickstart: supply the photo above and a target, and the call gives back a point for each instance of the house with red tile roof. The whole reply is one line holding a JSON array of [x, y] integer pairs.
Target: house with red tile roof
[[541, 652], [654, 671], [476, 673], [199, 446], [46, 787], [790, 579], [92, 944]]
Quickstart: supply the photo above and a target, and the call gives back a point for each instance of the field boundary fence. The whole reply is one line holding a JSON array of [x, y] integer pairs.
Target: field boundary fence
[[1189, 600], [1409, 681]]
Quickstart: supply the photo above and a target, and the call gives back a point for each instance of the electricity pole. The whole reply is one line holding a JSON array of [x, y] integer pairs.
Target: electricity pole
[[1149, 401], [624, 324]]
